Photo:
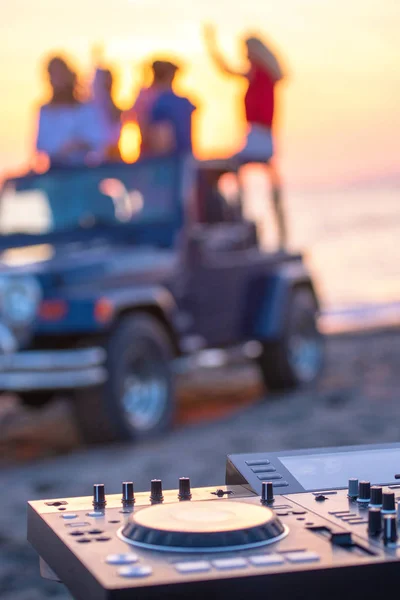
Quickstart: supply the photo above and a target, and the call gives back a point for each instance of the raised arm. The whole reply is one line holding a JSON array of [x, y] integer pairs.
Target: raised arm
[[211, 44]]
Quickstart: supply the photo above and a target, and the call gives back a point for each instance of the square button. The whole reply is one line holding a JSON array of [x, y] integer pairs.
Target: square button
[[263, 469], [269, 476], [266, 560], [254, 463], [302, 557], [229, 563], [194, 566]]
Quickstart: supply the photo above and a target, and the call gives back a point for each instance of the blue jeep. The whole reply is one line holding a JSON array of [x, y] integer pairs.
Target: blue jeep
[[110, 273]]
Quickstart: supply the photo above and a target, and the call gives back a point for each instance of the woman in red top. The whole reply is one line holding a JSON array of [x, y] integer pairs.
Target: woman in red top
[[263, 73]]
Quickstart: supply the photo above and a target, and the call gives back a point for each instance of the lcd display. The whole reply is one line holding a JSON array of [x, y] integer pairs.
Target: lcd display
[[325, 471]]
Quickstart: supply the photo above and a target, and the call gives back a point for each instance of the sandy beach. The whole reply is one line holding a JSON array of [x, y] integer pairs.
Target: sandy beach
[[356, 401]]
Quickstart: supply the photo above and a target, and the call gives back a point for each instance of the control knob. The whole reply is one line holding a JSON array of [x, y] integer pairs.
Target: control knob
[[374, 521], [128, 496], [376, 495], [364, 491], [388, 503], [184, 492], [156, 494], [99, 496], [353, 489], [389, 529], [267, 492]]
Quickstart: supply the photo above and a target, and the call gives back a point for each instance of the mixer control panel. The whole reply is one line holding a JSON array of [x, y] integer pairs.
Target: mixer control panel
[[227, 541]]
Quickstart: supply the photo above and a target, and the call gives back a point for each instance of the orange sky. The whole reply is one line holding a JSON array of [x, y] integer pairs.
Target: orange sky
[[340, 114]]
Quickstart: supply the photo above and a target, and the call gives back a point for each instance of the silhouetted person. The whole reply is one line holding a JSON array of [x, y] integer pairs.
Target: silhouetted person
[[263, 74], [170, 121], [70, 130]]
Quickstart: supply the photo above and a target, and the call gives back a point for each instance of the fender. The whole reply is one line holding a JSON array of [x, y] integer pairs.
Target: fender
[[268, 300], [81, 314]]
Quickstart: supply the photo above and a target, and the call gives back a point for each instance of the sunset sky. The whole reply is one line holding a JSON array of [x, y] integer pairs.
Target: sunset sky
[[339, 117]]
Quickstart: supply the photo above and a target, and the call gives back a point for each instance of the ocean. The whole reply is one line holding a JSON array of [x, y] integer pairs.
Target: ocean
[[352, 243]]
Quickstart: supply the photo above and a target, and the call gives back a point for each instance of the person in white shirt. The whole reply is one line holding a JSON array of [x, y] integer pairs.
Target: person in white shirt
[[70, 131]]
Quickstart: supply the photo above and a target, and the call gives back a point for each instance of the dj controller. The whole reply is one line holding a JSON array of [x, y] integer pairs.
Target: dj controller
[[316, 524]]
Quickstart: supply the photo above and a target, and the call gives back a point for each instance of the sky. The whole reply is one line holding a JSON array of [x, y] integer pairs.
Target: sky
[[339, 116]]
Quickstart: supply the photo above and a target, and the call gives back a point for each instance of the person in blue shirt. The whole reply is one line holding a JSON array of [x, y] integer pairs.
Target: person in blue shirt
[[170, 130]]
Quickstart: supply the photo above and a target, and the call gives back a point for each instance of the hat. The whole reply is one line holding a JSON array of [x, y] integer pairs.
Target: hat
[[164, 68]]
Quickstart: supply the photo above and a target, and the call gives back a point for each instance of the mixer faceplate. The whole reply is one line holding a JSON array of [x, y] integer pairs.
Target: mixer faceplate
[[203, 526]]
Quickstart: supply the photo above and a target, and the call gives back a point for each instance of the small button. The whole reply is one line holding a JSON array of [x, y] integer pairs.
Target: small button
[[84, 540], [95, 513], [137, 571], [95, 531], [68, 516], [195, 566], [264, 560], [102, 539], [269, 477], [77, 524], [254, 463], [77, 533], [299, 512], [121, 559], [329, 493], [56, 503], [320, 498], [229, 563], [280, 483], [263, 469], [282, 513], [302, 557]]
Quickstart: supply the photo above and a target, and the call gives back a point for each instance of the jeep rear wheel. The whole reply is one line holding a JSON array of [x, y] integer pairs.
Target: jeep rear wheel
[[137, 401], [296, 358]]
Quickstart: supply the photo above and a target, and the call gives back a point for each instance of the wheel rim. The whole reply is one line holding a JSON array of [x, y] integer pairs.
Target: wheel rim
[[305, 348], [145, 388]]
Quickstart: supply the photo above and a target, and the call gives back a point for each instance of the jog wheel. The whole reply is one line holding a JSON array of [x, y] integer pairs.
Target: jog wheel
[[203, 527]]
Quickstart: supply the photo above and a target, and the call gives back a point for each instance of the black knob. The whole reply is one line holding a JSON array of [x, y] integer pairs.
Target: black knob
[[128, 495], [353, 488], [376, 495], [364, 491], [267, 492], [388, 502], [389, 529], [374, 521], [156, 494], [184, 489], [99, 496]]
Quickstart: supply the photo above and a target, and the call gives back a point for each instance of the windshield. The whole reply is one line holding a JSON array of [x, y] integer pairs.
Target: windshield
[[143, 193]]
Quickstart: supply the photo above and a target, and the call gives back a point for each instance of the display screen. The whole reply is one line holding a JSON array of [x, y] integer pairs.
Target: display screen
[[325, 471]]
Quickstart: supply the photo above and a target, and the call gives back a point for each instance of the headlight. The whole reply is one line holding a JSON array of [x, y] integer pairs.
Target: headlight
[[19, 299]]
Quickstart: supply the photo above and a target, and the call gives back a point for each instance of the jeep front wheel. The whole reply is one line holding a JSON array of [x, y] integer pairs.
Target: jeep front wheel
[[137, 401]]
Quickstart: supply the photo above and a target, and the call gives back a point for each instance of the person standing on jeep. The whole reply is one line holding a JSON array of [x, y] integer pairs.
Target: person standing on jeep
[[170, 120]]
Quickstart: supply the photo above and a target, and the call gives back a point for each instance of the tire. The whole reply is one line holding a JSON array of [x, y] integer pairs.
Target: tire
[[296, 358], [36, 399], [137, 401]]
